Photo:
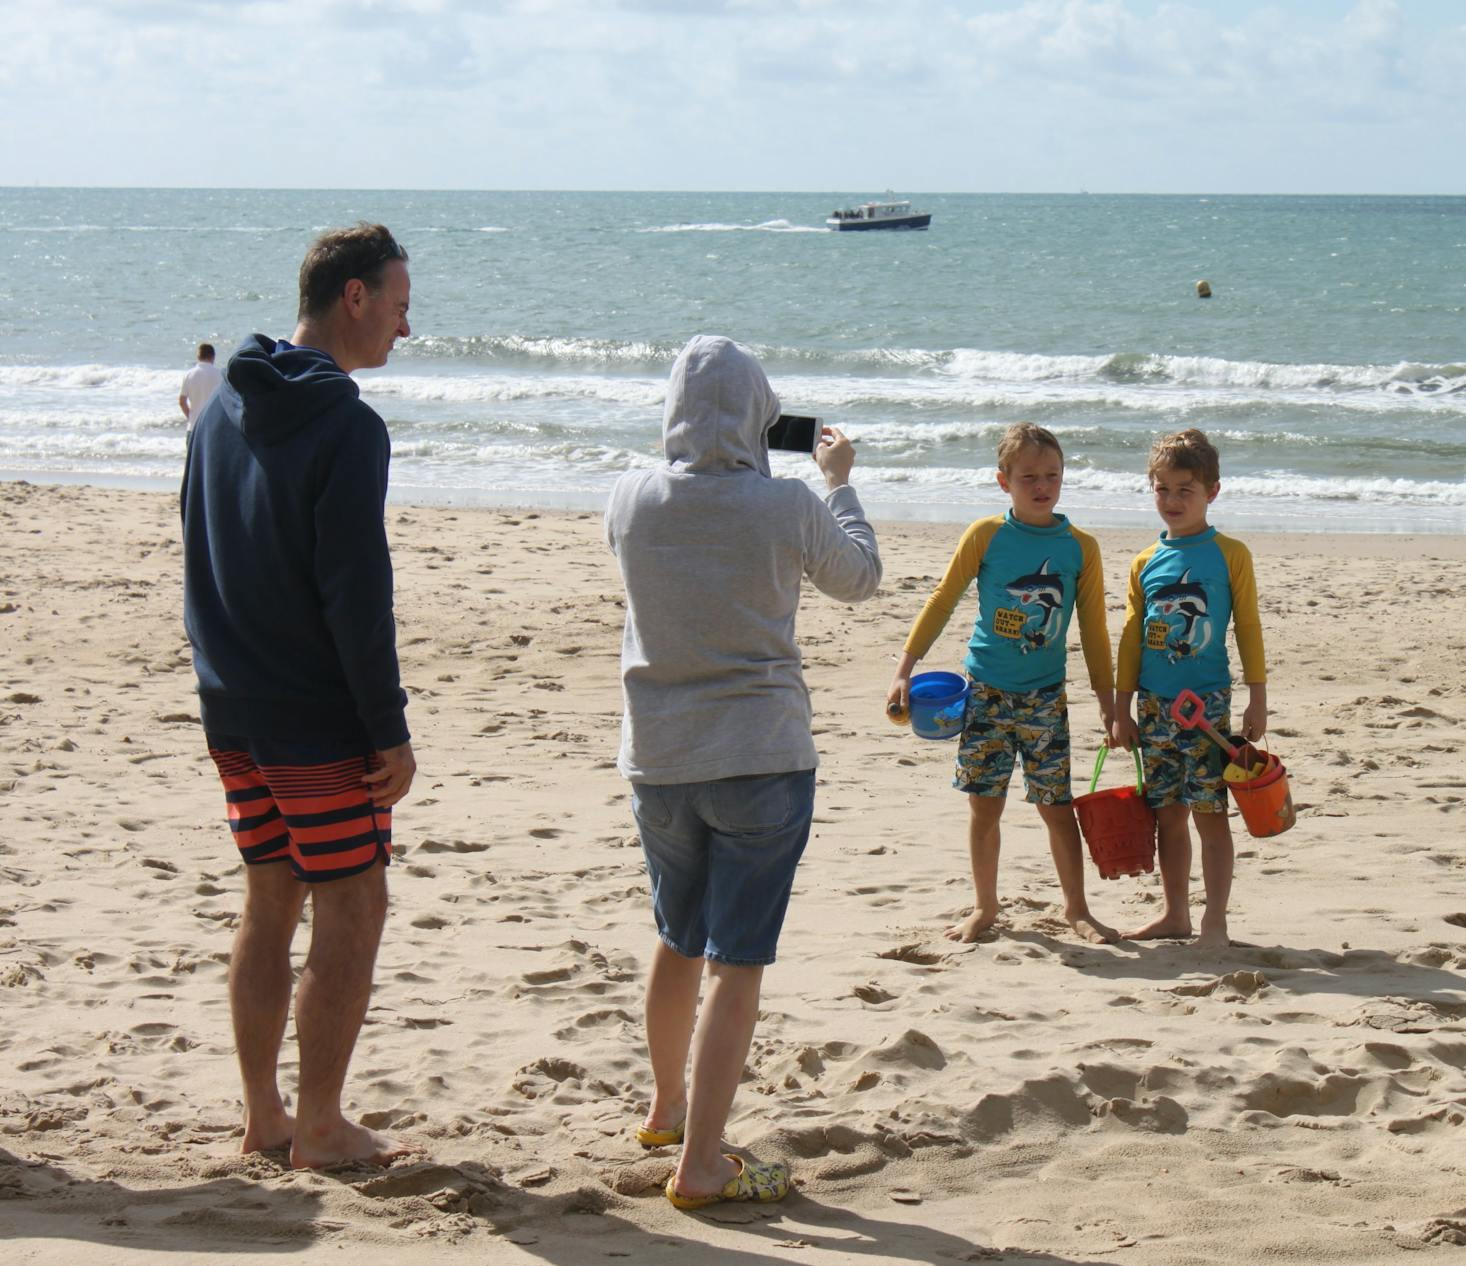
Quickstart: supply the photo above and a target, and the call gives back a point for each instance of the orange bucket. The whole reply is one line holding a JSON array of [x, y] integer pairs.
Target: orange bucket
[[1266, 801], [1117, 824]]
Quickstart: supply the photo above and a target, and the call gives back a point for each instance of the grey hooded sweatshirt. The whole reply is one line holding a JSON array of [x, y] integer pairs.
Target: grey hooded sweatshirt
[[712, 550]]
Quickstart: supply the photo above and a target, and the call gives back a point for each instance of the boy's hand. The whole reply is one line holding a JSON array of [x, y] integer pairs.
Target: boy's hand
[[1254, 720], [1124, 733], [898, 701]]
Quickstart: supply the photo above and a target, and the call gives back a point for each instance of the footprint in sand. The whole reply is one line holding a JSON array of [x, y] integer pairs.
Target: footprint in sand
[[452, 846], [1448, 1116], [912, 954], [585, 1026], [550, 975]]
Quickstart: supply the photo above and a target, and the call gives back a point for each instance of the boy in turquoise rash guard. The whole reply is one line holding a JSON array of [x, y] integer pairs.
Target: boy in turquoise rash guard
[[1032, 569], [1183, 591]]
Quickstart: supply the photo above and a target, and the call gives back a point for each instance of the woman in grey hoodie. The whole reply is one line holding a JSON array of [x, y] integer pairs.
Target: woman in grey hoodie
[[716, 730]]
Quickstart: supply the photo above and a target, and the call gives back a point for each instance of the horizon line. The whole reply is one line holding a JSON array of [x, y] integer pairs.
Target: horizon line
[[930, 193]]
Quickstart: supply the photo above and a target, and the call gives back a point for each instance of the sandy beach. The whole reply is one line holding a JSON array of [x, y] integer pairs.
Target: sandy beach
[[1300, 1097]]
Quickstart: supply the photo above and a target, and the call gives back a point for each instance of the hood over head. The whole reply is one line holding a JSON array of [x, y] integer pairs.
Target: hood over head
[[279, 388], [719, 409]]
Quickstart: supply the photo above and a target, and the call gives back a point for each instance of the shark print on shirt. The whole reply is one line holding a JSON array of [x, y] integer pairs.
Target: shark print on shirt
[[1044, 592], [1180, 626]]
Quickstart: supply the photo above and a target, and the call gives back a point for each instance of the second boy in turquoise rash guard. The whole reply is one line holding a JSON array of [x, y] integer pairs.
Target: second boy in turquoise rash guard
[[1184, 590]]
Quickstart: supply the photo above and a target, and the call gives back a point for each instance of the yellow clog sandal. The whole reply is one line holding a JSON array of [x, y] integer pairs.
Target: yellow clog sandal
[[670, 1137], [758, 1181]]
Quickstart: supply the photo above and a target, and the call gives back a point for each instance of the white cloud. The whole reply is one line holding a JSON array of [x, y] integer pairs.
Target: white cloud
[[1001, 94]]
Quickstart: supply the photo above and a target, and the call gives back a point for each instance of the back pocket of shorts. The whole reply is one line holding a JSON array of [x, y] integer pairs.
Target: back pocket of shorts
[[649, 804], [752, 806]]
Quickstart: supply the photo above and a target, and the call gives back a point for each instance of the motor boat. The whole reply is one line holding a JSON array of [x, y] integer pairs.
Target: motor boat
[[879, 215]]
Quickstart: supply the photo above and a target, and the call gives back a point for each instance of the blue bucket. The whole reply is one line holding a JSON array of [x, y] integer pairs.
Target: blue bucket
[[938, 704]]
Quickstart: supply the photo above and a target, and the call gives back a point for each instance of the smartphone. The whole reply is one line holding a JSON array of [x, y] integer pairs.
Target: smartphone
[[795, 433]]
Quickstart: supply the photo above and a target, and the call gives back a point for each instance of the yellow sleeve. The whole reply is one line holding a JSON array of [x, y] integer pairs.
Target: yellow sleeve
[[1089, 601], [961, 572], [1246, 623], [1127, 673]]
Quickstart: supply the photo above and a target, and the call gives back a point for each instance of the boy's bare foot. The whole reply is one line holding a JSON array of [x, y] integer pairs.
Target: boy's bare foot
[[1168, 925], [267, 1135], [1088, 928], [349, 1144], [972, 927]]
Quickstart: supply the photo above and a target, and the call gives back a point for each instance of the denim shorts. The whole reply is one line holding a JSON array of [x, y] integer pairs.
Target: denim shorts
[[1183, 766], [721, 857], [1004, 724]]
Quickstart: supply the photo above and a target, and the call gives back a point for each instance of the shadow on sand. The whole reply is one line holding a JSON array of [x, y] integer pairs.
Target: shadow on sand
[[452, 1208]]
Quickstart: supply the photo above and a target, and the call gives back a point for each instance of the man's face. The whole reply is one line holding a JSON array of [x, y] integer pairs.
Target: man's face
[[382, 316]]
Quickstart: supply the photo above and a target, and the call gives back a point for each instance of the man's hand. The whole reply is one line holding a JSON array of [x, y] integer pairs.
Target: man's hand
[[835, 457], [388, 783]]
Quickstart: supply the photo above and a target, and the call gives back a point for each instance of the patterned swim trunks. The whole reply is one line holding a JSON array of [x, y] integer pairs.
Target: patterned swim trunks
[[1002, 724], [302, 803], [1183, 766]]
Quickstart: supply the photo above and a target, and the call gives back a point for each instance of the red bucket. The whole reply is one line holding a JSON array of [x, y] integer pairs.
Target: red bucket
[[1117, 824]]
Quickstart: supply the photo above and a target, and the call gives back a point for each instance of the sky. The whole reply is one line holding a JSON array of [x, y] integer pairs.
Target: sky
[[1131, 96]]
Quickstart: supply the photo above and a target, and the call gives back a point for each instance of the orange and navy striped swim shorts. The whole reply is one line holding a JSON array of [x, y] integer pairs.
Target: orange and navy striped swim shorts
[[303, 803]]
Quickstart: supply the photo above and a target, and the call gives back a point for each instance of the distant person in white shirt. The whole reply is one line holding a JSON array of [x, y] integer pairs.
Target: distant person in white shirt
[[199, 384]]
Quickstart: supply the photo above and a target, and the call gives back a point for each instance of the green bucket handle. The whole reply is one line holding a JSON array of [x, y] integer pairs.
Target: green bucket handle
[[1099, 764]]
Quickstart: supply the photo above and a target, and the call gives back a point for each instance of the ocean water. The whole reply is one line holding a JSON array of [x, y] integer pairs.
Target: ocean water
[[1329, 367]]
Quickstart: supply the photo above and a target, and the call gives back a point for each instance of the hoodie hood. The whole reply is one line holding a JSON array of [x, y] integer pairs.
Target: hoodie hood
[[277, 388], [719, 409]]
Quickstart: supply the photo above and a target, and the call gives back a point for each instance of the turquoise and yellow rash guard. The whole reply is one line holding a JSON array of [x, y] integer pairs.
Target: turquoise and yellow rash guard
[[1182, 594], [1029, 580]]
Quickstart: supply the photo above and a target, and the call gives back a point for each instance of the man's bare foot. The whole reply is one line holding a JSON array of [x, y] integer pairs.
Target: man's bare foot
[[1168, 925], [271, 1134], [972, 927], [348, 1144], [1212, 937], [1088, 928]]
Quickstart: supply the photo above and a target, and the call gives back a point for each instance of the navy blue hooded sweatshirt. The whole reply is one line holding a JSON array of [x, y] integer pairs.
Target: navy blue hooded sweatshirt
[[287, 581]]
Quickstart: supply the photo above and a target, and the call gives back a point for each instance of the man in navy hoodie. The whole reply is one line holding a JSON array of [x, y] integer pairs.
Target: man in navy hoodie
[[288, 605]]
